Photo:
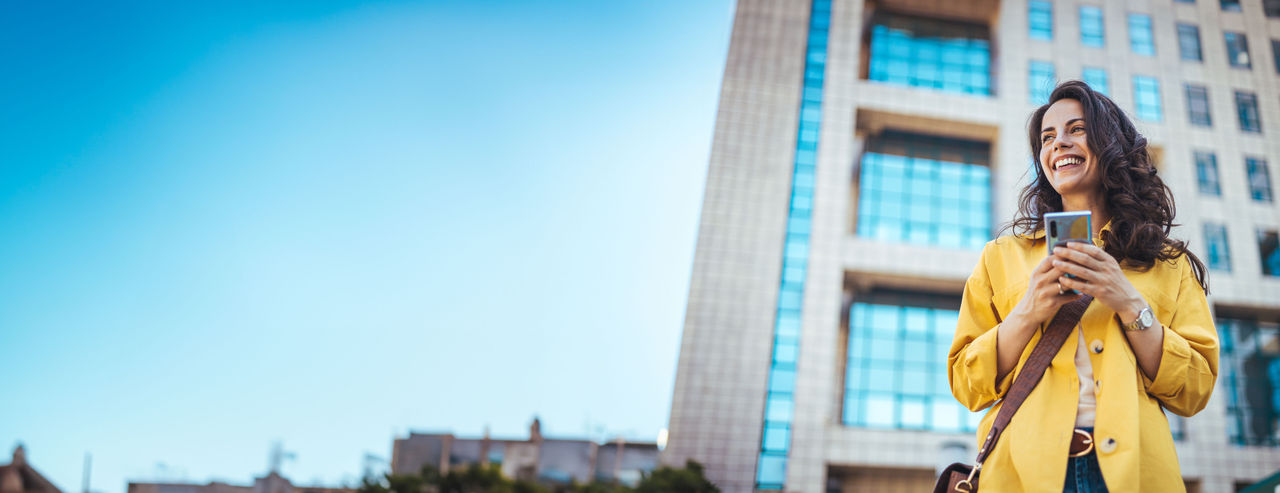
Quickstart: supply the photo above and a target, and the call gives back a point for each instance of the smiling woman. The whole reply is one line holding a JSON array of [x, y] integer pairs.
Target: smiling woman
[[1147, 345]]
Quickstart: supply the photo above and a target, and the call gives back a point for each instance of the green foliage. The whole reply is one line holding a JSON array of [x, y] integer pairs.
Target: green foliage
[[666, 479], [489, 479]]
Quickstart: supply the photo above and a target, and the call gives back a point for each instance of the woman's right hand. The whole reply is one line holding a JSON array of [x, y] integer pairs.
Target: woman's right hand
[[1039, 302], [1042, 299]]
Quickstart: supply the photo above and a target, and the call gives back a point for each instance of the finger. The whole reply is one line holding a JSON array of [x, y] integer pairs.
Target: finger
[[1076, 284], [1090, 250], [1078, 257], [1075, 269]]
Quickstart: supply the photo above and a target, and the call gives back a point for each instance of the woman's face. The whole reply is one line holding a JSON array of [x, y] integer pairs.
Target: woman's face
[[1064, 152]]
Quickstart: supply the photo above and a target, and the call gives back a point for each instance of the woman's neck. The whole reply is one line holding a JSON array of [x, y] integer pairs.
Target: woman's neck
[[1094, 204]]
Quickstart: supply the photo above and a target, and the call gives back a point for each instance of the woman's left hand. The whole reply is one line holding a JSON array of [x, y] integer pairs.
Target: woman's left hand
[[1098, 274]]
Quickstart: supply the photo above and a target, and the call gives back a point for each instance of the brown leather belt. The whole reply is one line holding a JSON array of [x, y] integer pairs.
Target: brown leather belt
[[1081, 443]]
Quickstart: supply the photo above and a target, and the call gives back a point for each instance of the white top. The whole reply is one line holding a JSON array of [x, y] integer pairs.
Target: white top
[[1084, 368]]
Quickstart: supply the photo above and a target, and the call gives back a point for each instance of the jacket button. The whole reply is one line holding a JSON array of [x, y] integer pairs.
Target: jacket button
[[1096, 346], [1097, 386], [1107, 446]]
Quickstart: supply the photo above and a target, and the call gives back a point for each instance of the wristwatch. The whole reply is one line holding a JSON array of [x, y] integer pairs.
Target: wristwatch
[[1144, 321]]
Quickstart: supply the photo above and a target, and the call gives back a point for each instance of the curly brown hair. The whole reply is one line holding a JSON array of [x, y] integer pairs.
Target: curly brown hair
[[1140, 204]]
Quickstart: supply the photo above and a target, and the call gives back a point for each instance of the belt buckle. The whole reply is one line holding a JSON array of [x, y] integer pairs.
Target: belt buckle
[[1088, 440]]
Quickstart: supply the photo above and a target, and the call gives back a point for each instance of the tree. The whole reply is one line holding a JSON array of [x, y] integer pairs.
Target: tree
[[666, 479]]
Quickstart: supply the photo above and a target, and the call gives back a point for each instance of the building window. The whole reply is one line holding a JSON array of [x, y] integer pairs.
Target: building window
[[1247, 111], [771, 462], [1230, 5], [1215, 236], [896, 364], [1096, 78], [1271, 8], [1040, 16], [1237, 50], [1259, 179], [1275, 54], [1140, 39], [1269, 252], [920, 52], [1189, 42], [1207, 171], [925, 190], [1250, 365], [1091, 31], [1146, 94], [1198, 105], [1041, 81]]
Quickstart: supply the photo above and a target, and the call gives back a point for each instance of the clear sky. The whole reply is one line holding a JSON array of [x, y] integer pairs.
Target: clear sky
[[328, 223]]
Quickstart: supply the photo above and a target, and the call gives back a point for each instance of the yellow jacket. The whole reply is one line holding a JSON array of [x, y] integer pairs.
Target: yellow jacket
[[1134, 445]]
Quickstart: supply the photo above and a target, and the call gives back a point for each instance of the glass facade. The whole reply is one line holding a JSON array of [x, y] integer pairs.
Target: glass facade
[[1189, 42], [775, 442], [1230, 5], [1247, 112], [1041, 81], [1259, 179], [1275, 54], [1140, 39], [1250, 367], [920, 52], [1097, 79], [1271, 8], [1040, 17], [1237, 50], [1091, 31], [1269, 252], [1215, 237], [1146, 96], [925, 190], [896, 364], [1198, 106], [1207, 173]]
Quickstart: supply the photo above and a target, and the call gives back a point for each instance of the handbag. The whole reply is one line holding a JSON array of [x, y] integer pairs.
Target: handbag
[[963, 478]]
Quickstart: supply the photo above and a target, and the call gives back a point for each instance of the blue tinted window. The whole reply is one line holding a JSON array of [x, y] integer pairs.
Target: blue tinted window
[[1207, 172], [1040, 17], [1259, 179], [1146, 96], [1247, 112], [1269, 252], [1230, 5], [1198, 105], [1189, 42], [925, 190], [919, 52], [1140, 39], [1041, 81], [896, 368], [775, 438], [1251, 377], [1091, 31], [1237, 50], [1215, 238], [1097, 79]]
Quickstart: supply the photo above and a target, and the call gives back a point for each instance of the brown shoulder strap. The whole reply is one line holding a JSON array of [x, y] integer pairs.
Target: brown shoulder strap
[[1066, 319]]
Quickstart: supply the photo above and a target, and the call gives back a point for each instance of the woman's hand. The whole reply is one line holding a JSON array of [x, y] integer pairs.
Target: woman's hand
[[1043, 297], [1098, 274]]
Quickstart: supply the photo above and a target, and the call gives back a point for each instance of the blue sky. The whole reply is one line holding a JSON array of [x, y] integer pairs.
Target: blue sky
[[329, 223]]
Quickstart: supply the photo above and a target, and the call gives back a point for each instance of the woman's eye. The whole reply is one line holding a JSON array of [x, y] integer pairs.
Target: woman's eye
[[1078, 129], [1046, 138]]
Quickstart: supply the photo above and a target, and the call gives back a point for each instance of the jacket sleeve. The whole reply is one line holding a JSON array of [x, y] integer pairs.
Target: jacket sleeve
[[971, 363], [1189, 361]]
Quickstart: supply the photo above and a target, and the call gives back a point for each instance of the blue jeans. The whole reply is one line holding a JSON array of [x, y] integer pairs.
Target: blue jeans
[[1083, 474]]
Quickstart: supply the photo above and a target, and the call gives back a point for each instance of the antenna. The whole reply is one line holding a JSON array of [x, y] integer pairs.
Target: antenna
[[88, 461]]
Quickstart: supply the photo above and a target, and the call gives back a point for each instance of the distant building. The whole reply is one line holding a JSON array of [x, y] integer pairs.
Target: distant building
[[537, 458], [271, 483], [20, 477]]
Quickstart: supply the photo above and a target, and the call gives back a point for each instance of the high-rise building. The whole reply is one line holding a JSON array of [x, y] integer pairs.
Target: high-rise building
[[863, 154]]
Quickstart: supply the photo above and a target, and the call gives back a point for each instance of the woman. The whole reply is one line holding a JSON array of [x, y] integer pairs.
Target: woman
[[1147, 340]]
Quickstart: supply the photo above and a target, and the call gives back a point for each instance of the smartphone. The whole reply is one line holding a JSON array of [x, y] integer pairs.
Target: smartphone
[[1061, 228]]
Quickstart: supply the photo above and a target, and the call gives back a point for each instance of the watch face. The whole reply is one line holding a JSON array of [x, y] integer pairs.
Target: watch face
[[1146, 319]]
